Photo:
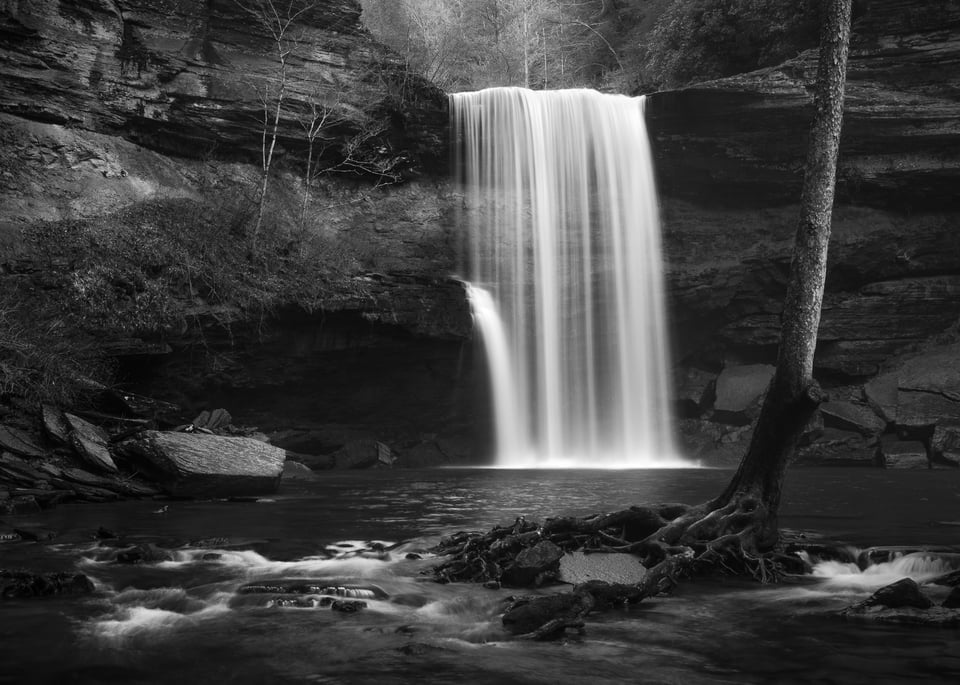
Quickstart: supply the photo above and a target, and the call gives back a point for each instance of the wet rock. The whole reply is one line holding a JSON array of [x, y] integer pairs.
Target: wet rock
[[201, 465], [35, 534], [348, 606], [55, 424], [882, 555], [361, 454], [132, 404], [20, 505], [903, 603], [606, 594], [577, 568], [945, 444], [881, 395], [903, 593], [294, 470], [547, 617], [836, 447], [695, 392], [952, 601], [91, 443], [20, 584], [214, 420], [20, 442], [928, 388], [533, 565], [20, 471], [895, 454], [105, 534], [852, 416], [740, 390], [147, 553]]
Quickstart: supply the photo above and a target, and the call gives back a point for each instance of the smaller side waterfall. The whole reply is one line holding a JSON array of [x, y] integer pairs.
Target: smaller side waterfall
[[566, 268]]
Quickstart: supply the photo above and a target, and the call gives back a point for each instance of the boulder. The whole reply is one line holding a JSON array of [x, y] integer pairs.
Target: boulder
[[90, 442], [836, 447], [740, 390], [21, 584], [614, 568], [881, 395], [945, 444], [896, 454], [928, 388], [19, 442], [294, 470], [903, 593], [852, 417], [202, 465], [903, 603], [362, 454], [695, 391], [952, 601], [529, 614], [55, 425], [533, 565]]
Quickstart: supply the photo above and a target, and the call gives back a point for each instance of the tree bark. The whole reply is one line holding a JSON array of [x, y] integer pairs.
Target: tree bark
[[794, 395]]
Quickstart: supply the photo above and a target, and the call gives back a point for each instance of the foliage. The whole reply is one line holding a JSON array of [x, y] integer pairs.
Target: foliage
[[42, 359], [697, 40], [623, 45]]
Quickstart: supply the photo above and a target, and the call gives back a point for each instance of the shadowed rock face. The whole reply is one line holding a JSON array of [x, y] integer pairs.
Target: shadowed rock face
[[730, 157], [183, 76]]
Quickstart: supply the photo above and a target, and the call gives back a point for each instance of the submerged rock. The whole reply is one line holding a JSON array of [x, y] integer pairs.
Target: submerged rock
[[19, 584], [547, 617]]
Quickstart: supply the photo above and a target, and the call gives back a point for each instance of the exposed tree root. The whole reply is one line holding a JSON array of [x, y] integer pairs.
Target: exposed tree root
[[671, 541]]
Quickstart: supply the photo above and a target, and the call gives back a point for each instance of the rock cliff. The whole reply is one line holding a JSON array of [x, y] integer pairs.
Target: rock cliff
[[132, 135], [730, 157]]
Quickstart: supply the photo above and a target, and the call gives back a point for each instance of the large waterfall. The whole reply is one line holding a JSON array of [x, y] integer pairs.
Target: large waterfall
[[565, 270]]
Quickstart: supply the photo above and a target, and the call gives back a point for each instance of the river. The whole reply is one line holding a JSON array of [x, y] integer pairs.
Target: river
[[184, 621]]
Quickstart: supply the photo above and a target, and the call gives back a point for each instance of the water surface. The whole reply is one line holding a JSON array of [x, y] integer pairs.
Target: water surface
[[183, 620]]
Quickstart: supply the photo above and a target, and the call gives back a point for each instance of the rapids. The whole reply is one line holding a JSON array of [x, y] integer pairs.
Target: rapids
[[356, 535]]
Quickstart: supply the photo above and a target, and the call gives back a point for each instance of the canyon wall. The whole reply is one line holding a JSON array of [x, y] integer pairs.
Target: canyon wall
[[730, 157]]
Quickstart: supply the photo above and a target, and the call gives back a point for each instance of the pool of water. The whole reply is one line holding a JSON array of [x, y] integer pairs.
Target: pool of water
[[183, 620]]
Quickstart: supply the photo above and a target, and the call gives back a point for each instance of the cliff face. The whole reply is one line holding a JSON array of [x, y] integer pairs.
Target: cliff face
[[730, 157], [187, 77], [132, 135]]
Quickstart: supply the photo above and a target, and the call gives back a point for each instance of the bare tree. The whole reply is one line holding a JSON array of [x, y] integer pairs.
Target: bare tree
[[278, 24]]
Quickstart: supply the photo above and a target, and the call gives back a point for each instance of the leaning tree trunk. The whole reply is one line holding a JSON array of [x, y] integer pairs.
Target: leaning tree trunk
[[745, 514]]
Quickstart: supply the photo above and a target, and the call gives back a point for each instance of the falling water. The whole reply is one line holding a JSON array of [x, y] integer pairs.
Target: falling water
[[565, 266]]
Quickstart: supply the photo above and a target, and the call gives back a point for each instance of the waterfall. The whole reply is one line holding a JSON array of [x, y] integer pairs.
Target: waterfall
[[565, 268]]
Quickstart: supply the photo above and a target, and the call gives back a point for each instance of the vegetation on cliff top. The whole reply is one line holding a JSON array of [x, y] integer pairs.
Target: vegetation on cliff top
[[626, 45]]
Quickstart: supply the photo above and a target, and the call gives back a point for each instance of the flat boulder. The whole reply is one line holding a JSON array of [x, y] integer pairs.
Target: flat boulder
[[90, 442], [613, 568], [740, 390], [852, 416], [905, 454], [362, 454], [945, 444], [837, 447], [19, 442], [928, 387], [203, 465]]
